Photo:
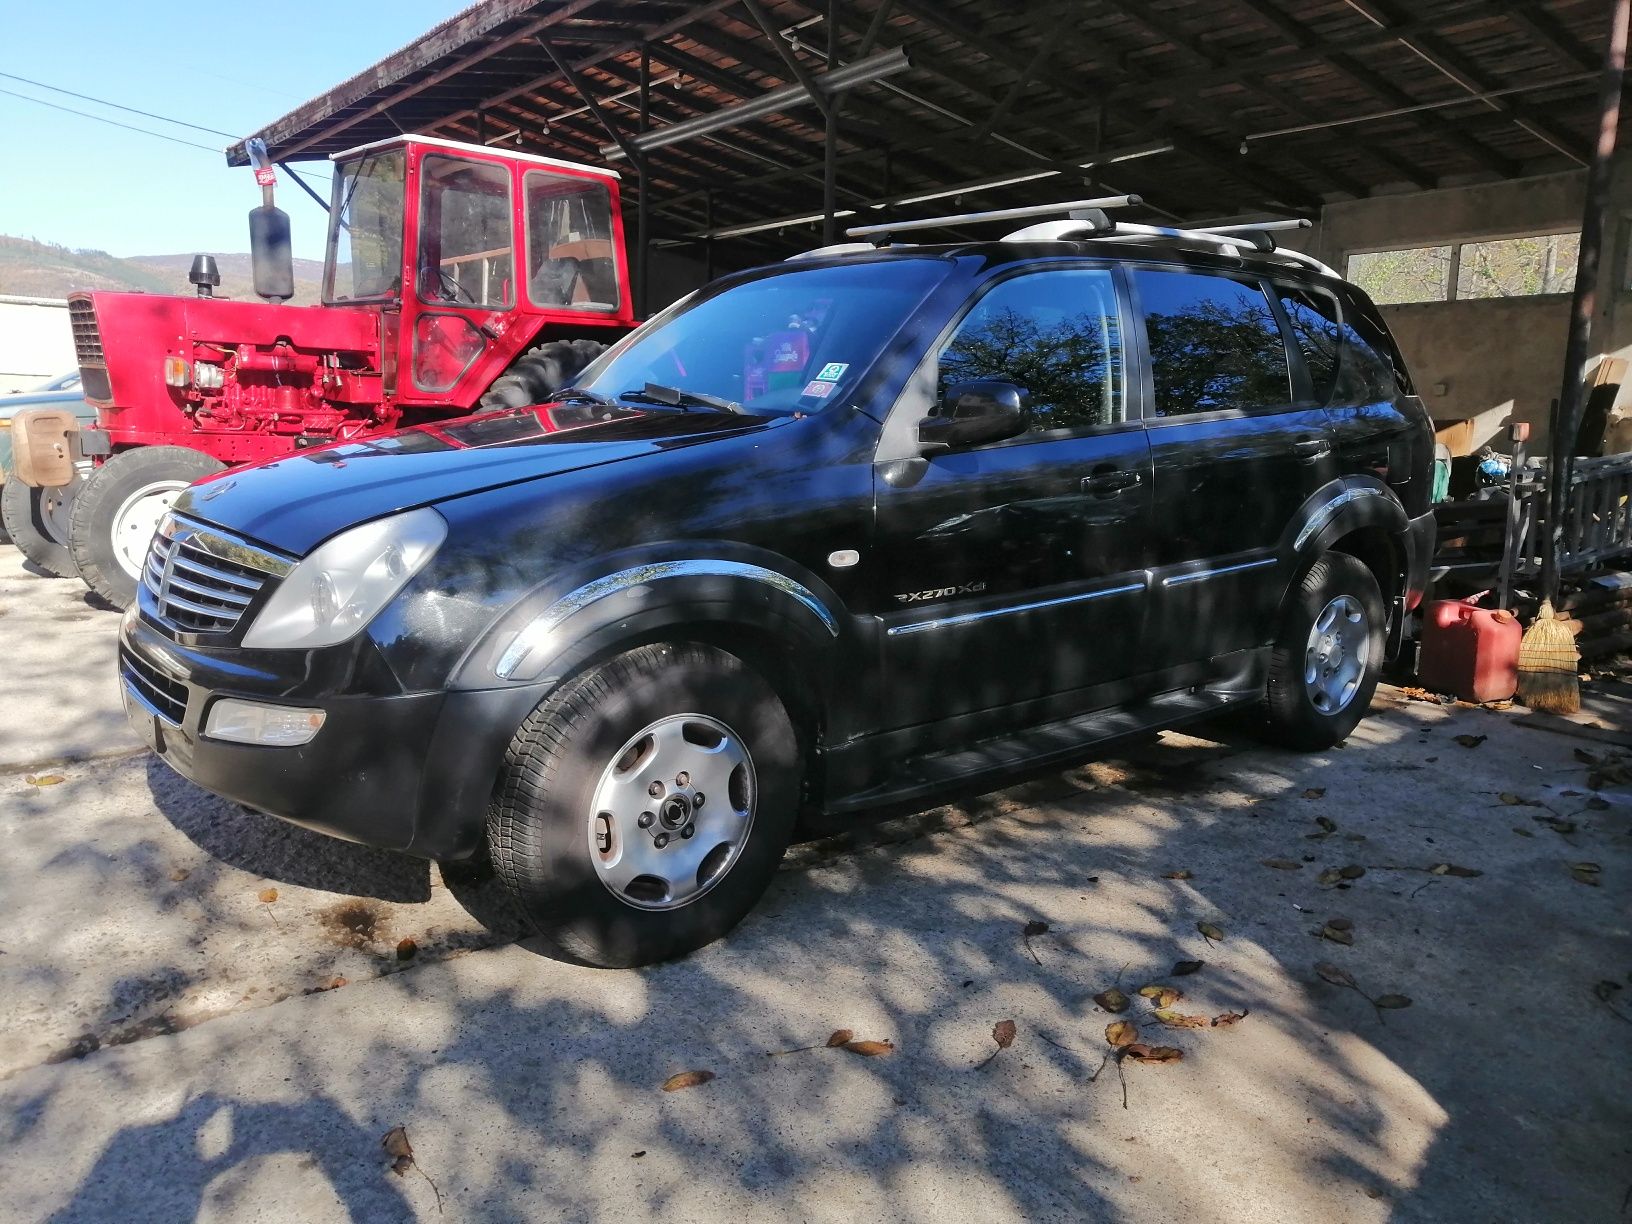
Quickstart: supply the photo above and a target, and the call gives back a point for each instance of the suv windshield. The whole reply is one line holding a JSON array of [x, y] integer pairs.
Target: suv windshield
[[793, 341], [364, 257]]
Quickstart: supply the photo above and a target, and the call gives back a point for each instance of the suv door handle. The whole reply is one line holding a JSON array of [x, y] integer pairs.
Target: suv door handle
[[1104, 484], [1312, 448]]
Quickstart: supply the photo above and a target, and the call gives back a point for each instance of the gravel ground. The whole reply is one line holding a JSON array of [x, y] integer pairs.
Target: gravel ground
[[204, 1013]]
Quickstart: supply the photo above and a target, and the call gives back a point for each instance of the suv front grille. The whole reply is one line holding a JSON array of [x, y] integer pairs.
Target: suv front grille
[[167, 696], [202, 580], [87, 336]]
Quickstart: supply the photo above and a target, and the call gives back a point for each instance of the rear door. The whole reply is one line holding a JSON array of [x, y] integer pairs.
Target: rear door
[[1239, 440], [1015, 570]]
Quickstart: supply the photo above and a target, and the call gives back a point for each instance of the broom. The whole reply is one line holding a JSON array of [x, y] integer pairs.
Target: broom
[[1548, 677], [1547, 656]]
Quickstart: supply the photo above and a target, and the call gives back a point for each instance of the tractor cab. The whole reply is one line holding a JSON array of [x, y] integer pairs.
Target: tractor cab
[[466, 252]]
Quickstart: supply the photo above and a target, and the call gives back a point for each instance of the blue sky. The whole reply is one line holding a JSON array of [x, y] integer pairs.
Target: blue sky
[[233, 66]]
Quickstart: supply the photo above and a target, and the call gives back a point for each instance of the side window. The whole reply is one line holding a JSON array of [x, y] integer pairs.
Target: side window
[[570, 253], [1057, 334], [1317, 332], [1214, 344], [1381, 371], [464, 234]]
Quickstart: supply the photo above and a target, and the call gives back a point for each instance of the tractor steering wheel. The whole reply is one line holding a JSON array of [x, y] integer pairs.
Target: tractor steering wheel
[[452, 290]]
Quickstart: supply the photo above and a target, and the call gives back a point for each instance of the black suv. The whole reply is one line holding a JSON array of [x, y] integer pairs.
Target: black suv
[[845, 532]]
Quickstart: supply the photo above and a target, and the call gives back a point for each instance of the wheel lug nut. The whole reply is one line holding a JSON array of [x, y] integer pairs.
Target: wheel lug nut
[[661, 840], [645, 820], [697, 800], [682, 778], [655, 789], [689, 831]]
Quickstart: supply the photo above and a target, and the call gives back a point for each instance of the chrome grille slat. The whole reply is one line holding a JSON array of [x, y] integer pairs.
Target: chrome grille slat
[[196, 589], [167, 696]]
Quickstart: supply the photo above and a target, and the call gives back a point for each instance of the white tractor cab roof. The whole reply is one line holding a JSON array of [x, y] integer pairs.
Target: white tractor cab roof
[[462, 147]]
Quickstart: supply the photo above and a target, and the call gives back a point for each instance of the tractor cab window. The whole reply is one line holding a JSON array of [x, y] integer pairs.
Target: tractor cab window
[[464, 234], [571, 259], [364, 259]]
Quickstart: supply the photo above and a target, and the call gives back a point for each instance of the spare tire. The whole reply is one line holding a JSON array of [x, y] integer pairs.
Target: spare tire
[[37, 522], [540, 372]]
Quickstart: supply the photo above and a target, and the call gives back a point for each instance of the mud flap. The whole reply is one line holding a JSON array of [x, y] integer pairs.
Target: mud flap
[[43, 447]]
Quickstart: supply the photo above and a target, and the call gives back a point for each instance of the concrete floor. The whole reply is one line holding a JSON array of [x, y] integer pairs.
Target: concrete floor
[[168, 1049]]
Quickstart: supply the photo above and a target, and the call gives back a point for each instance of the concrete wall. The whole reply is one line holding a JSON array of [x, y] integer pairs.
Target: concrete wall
[[1490, 361], [35, 343]]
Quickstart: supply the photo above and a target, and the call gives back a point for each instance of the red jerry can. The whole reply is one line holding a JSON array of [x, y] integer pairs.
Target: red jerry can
[[1470, 651]]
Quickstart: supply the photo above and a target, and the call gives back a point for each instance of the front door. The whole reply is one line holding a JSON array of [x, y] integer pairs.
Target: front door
[[1015, 570], [1239, 441]]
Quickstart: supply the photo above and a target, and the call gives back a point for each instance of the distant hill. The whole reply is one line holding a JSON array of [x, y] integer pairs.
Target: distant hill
[[44, 269]]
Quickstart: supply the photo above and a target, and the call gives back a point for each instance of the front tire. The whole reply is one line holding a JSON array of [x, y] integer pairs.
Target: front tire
[[116, 513], [1327, 658], [540, 372], [643, 809], [37, 522]]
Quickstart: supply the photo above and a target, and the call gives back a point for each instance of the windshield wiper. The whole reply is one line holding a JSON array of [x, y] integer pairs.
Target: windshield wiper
[[568, 395], [675, 397]]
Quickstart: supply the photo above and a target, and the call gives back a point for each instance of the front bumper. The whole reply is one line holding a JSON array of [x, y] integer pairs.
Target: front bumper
[[1420, 539], [411, 772]]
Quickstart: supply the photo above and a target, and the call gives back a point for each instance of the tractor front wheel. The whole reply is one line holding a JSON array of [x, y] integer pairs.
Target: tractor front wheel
[[37, 522], [119, 508]]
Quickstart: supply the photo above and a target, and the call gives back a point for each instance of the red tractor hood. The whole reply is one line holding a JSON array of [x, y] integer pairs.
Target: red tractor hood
[[296, 503]]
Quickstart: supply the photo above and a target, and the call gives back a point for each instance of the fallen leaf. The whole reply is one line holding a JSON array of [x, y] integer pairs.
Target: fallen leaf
[[268, 895], [840, 1037], [1561, 827], [1281, 864], [1175, 1019], [44, 779], [1229, 1018], [870, 1049], [1183, 873], [1120, 1033], [1454, 870], [1606, 989], [1330, 876], [1585, 757], [1003, 1034], [686, 1079], [1586, 877], [1036, 927], [397, 1147], [1185, 968], [637, 1155], [1351, 871], [1153, 1054], [1598, 804], [1471, 741], [1209, 930], [1340, 924], [1522, 832], [406, 949], [179, 874], [1315, 792], [1336, 935], [1161, 996], [1327, 823], [1112, 1000], [1512, 800], [1392, 1000], [1334, 975], [1589, 868]]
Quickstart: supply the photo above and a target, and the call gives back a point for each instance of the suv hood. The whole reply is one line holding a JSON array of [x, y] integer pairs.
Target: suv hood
[[294, 504]]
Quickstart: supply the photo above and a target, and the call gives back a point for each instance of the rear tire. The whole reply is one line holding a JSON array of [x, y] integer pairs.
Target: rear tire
[[37, 522], [118, 509], [680, 737], [1327, 658], [540, 372]]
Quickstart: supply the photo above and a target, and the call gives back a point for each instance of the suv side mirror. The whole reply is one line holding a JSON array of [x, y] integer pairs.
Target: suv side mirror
[[980, 410]]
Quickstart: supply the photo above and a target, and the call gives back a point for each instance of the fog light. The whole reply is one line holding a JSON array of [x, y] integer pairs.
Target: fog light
[[176, 372], [250, 722]]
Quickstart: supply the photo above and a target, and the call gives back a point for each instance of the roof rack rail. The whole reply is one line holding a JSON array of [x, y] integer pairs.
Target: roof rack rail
[[880, 234], [1230, 238]]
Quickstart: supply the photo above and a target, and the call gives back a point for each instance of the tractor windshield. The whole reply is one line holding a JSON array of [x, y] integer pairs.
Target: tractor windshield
[[364, 259]]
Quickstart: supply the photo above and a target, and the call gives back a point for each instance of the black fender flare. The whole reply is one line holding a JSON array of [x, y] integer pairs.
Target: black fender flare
[[630, 595], [1337, 508]]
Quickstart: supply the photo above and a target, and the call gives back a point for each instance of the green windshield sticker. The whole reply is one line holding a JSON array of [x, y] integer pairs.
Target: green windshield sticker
[[833, 371]]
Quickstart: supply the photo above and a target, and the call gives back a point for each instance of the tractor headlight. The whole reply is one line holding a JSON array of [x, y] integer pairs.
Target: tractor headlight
[[340, 587], [176, 372]]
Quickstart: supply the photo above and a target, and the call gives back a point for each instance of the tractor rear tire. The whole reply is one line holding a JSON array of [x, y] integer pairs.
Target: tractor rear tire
[[540, 372], [119, 508], [36, 521]]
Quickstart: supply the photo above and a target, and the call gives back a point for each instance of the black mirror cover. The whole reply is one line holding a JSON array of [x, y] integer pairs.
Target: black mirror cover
[[271, 257], [976, 411]]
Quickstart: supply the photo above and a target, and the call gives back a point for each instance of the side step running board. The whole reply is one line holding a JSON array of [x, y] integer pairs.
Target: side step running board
[[1056, 743]]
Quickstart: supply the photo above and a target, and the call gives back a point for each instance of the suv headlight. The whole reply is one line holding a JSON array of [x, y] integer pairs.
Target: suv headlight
[[340, 587]]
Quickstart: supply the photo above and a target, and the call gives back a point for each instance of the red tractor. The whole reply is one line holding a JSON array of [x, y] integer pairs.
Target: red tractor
[[456, 278]]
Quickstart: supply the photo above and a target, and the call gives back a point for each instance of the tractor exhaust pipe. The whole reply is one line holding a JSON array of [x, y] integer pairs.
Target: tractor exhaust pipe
[[271, 256]]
